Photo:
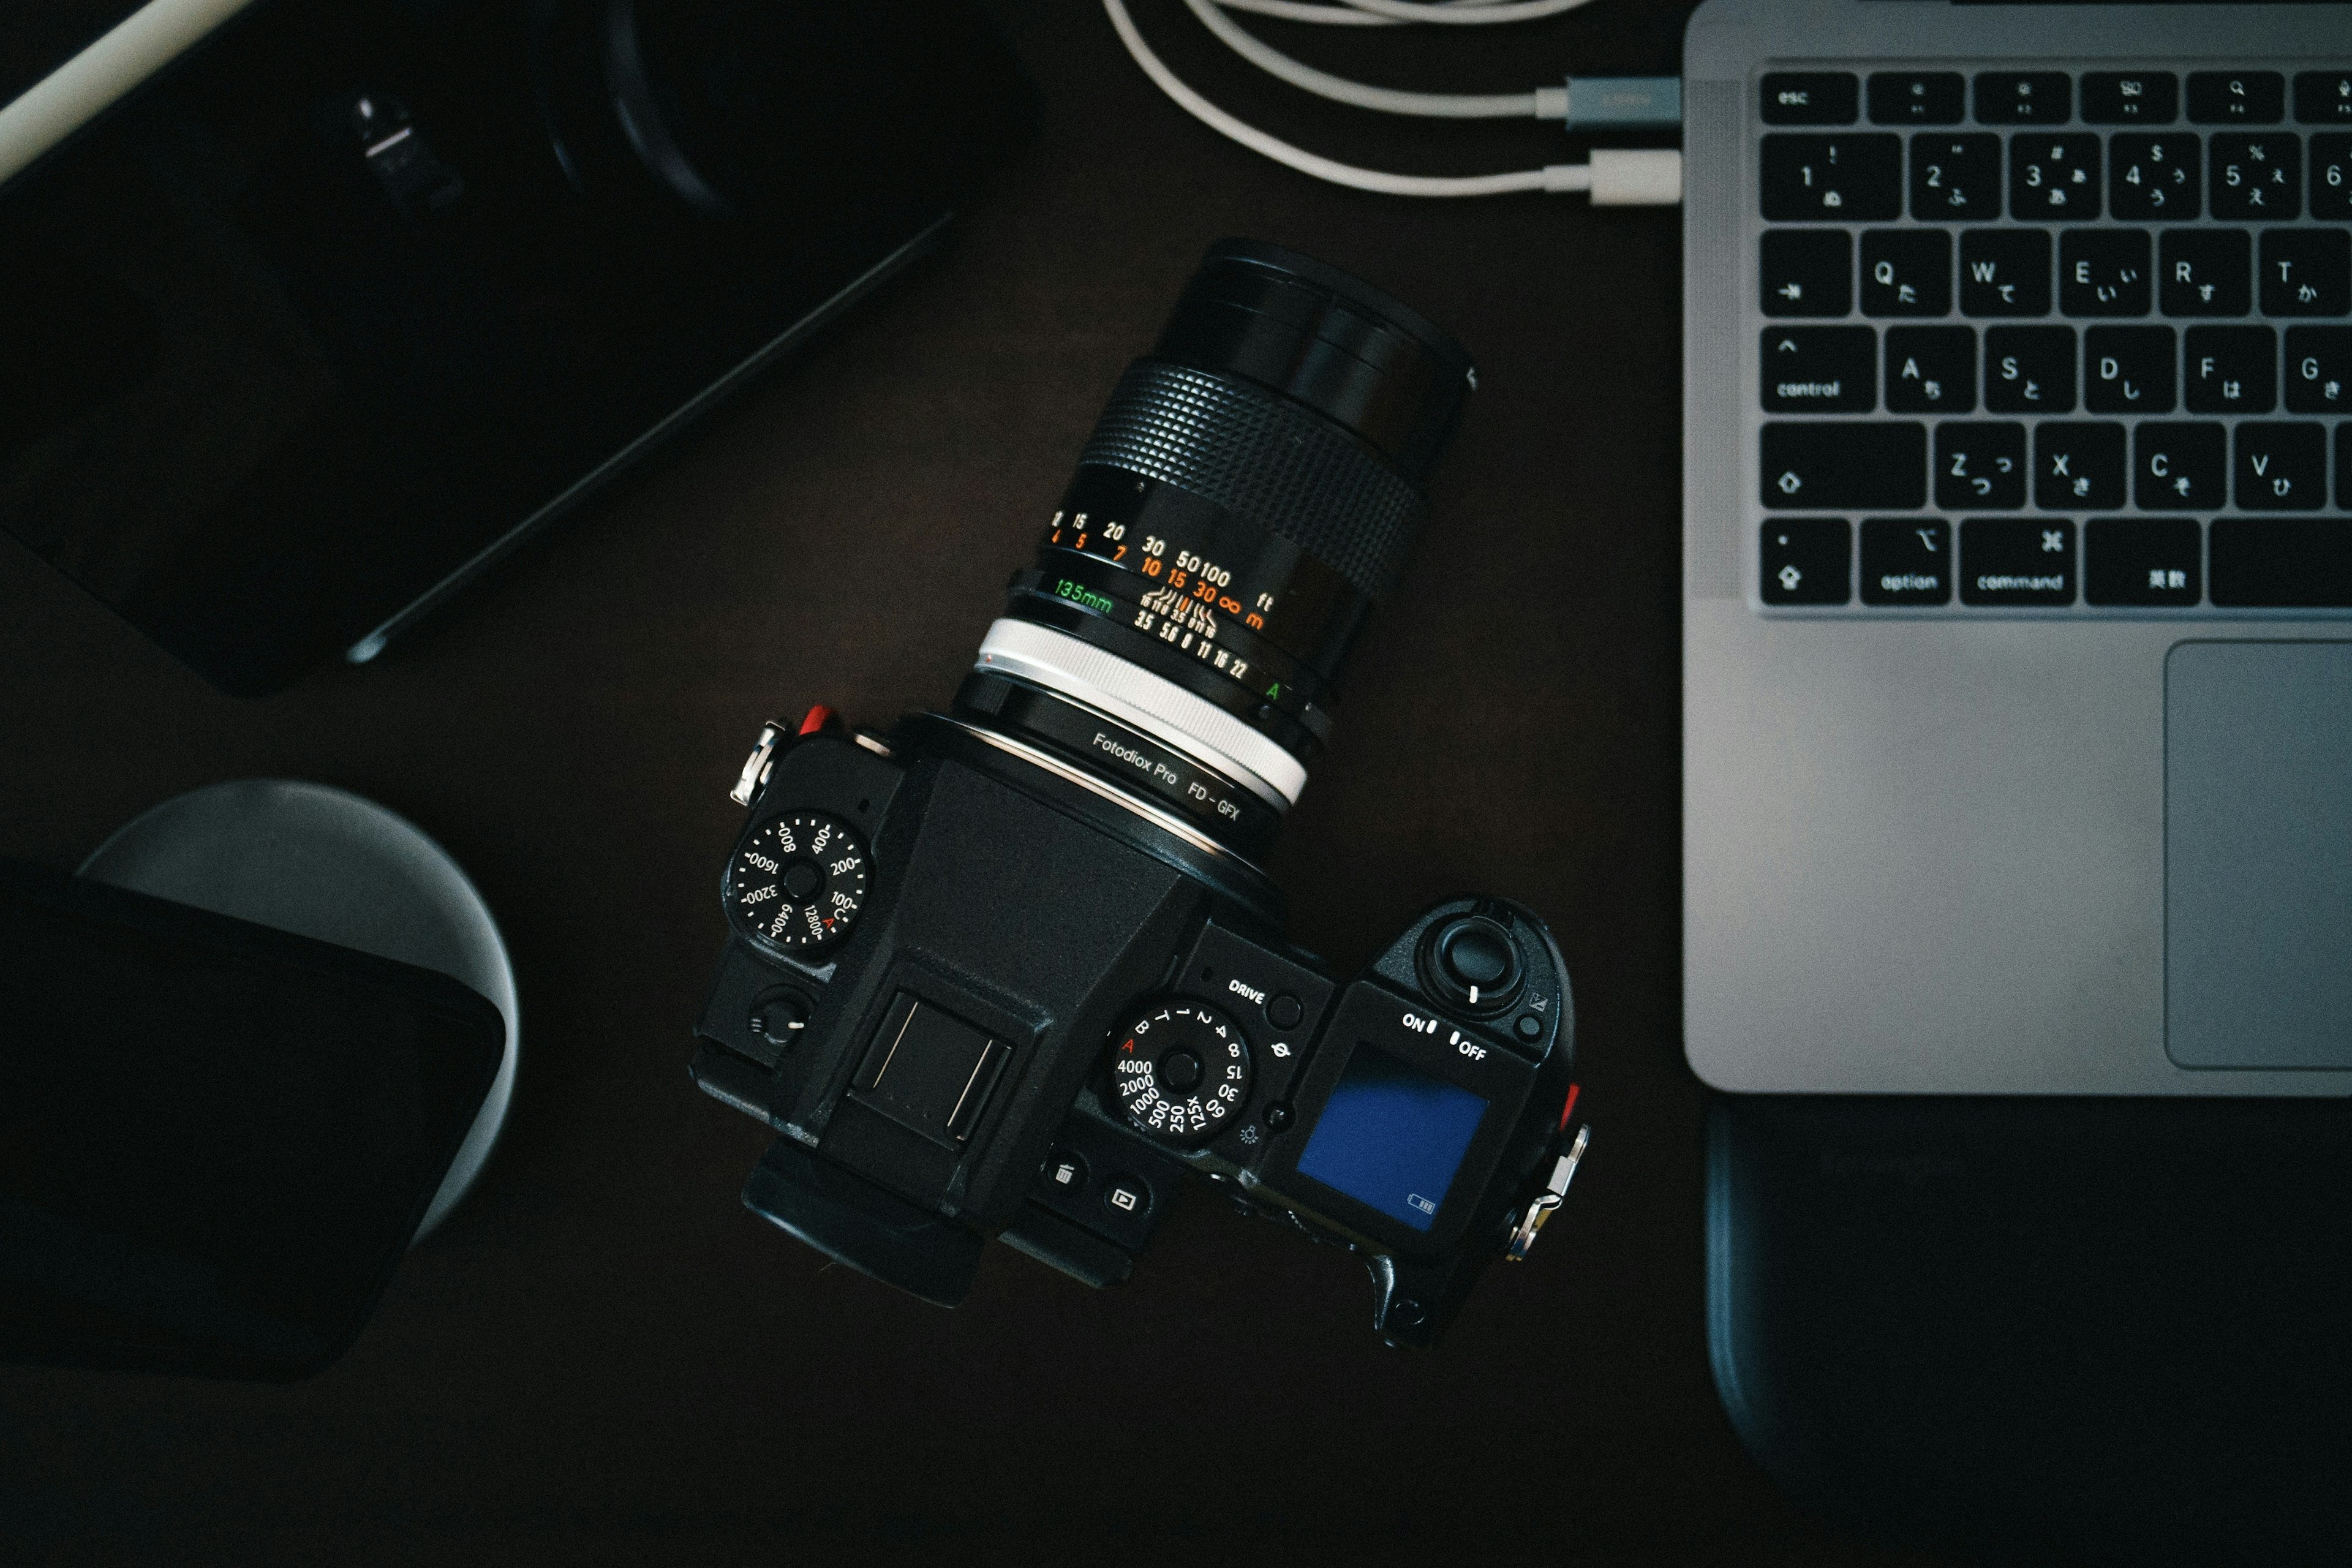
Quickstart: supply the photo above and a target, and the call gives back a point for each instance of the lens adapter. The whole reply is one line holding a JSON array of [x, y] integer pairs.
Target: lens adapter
[[1252, 488]]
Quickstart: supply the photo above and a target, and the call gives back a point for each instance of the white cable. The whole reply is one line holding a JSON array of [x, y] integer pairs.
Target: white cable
[[1333, 15], [1463, 15], [1552, 177], [1298, 74]]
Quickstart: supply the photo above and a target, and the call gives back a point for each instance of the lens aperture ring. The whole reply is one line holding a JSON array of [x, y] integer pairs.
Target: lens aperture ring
[[1278, 464]]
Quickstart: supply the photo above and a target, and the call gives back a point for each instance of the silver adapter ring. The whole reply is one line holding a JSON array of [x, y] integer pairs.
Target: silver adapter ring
[[1158, 707]]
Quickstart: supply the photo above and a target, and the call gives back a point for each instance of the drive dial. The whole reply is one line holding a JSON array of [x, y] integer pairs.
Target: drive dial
[[798, 883], [1181, 1071]]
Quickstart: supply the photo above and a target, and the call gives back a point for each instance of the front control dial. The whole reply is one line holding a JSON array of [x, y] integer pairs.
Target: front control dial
[[1181, 1071], [798, 883]]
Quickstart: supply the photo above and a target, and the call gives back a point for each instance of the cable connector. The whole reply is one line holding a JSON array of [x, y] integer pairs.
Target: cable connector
[[1636, 177], [1614, 102]]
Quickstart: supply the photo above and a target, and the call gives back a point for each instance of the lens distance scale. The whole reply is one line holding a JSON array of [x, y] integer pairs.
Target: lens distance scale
[[1181, 1072], [798, 883]]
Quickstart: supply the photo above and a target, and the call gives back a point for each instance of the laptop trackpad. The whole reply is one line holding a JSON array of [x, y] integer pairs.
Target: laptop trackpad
[[2258, 854]]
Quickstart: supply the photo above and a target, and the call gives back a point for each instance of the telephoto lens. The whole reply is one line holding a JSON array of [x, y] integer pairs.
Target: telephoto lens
[[1015, 970], [1252, 490]]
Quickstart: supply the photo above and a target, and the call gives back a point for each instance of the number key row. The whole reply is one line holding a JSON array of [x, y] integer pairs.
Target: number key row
[[2056, 177]]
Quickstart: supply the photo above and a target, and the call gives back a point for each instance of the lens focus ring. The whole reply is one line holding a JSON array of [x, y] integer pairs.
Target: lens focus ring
[[1265, 459]]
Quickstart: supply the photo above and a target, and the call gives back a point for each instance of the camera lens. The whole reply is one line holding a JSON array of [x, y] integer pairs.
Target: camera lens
[[1252, 490]]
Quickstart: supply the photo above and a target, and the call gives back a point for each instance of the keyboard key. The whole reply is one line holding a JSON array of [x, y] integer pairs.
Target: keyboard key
[[2280, 562], [2179, 467], [1805, 560], [2319, 370], [2324, 98], [1906, 560], [1931, 369], [2078, 467], [1917, 98], [1906, 272], [2205, 271], [1809, 97], [2017, 560], [2258, 175], [2130, 97], [2054, 179], [2030, 370], [2306, 271], [2232, 370], [2127, 370], [2243, 98], [2024, 97], [1860, 465], [1956, 179], [1807, 271], [2331, 177], [1829, 370], [2103, 272], [2281, 468], [2154, 177], [1855, 178], [1979, 467], [2005, 272], [2143, 560]]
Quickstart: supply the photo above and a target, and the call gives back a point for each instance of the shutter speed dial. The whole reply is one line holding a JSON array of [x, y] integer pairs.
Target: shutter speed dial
[[1181, 1071], [798, 883]]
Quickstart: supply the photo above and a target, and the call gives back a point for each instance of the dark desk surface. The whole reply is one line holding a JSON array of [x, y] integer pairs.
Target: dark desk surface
[[602, 1357]]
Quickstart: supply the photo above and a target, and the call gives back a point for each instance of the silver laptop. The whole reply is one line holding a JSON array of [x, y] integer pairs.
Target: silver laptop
[[2018, 548]]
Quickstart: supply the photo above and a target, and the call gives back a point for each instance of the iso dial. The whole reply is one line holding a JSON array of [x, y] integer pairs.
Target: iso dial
[[1181, 1071], [798, 883]]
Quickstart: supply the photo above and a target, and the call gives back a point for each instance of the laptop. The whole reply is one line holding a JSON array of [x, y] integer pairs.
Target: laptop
[[2018, 548]]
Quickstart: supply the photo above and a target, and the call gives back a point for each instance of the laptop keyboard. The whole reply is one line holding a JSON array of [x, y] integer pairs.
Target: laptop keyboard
[[2058, 340]]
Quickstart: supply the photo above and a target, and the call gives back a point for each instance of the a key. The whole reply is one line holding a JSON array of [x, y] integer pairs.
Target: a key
[[2240, 98], [2324, 98], [2281, 468], [2331, 177], [1906, 272], [2305, 271], [2130, 97], [2257, 174], [2205, 273], [2154, 177], [1830, 370], [2005, 272], [1906, 560], [2024, 97], [2103, 272], [2230, 370], [2030, 370], [1979, 467], [1955, 179], [1917, 98], [2178, 468], [2053, 178], [1809, 98], [2282, 562], [1856, 178], [2319, 370], [1806, 271], [1931, 369], [2078, 467], [1853, 465], [1804, 560], [2143, 560], [2017, 560], [2127, 370]]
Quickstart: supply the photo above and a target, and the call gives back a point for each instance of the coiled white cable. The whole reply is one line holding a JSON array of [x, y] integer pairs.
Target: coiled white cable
[[1612, 177]]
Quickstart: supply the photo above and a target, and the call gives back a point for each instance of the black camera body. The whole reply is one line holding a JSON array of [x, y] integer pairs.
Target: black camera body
[[1014, 970]]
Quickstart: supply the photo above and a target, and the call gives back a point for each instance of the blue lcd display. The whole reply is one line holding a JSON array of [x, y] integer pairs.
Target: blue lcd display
[[1392, 1136]]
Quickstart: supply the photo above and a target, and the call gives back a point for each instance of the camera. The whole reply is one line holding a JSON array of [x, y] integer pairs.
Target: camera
[[1014, 971]]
